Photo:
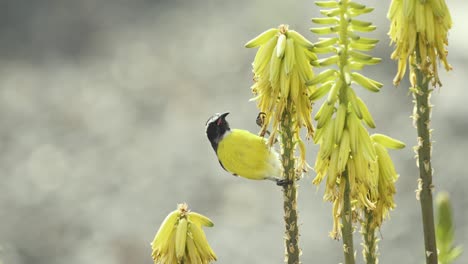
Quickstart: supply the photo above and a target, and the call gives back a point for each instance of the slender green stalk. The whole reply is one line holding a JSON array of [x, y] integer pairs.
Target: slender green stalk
[[347, 222], [291, 238], [370, 241], [347, 214], [349, 157], [281, 69], [422, 115]]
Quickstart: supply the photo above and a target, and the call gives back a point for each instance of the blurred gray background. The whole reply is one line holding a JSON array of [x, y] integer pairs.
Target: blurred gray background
[[102, 112]]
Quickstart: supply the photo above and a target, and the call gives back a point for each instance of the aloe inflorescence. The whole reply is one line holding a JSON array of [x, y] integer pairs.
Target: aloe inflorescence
[[422, 25], [356, 166], [419, 30], [180, 239], [281, 67]]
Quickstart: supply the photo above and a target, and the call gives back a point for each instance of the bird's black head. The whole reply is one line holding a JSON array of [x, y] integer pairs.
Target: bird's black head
[[216, 127]]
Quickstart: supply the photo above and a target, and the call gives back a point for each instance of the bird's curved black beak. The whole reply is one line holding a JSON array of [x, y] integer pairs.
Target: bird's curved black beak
[[223, 115], [221, 119]]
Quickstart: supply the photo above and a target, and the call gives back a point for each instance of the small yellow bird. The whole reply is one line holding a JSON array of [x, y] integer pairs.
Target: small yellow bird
[[242, 153]]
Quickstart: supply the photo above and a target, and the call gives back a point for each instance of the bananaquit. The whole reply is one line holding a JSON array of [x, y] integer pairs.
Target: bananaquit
[[242, 153]]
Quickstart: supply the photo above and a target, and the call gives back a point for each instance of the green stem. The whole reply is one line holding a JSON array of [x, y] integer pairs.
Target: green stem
[[347, 214], [347, 222], [289, 190], [422, 118], [370, 241]]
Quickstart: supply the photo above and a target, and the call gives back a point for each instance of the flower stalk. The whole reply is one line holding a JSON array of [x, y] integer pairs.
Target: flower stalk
[[289, 190], [370, 241], [422, 118], [419, 30], [347, 229], [359, 174], [347, 222], [281, 69]]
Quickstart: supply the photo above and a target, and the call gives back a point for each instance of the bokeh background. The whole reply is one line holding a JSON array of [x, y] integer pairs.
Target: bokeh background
[[103, 107]]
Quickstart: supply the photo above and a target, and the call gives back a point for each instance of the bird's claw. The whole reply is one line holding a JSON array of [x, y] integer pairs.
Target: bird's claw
[[284, 182], [260, 119]]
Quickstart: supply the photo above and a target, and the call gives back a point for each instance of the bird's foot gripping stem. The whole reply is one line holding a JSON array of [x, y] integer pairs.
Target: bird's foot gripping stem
[[260, 119], [283, 182], [280, 181], [261, 122]]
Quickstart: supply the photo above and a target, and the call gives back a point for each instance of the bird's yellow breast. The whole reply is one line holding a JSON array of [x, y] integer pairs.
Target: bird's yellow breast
[[247, 155]]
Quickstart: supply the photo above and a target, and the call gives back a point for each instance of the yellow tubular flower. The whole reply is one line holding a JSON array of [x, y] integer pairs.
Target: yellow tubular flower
[[347, 152], [180, 239], [387, 177], [281, 69], [422, 23]]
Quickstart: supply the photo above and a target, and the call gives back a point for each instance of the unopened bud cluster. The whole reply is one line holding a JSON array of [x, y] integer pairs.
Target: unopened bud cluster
[[180, 239]]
